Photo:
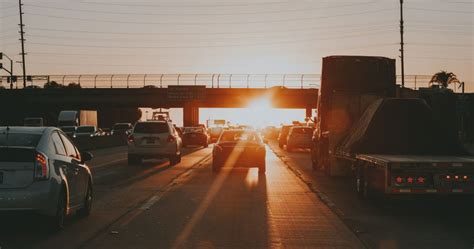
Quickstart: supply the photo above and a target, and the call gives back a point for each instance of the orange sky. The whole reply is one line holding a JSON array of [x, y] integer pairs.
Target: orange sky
[[232, 36]]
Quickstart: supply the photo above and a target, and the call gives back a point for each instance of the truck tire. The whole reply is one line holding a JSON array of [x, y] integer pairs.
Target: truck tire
[[361, 184], [133, 160]]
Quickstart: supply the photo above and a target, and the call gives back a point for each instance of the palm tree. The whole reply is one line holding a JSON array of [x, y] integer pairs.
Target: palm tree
[[444, 78]]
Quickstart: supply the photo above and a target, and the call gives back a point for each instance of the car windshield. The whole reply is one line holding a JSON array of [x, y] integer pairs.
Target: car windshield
[[193, 130], [151, 127], [120, 127], [68, 129], [303, 131], [85, 129], [241, 135], [19, 139]]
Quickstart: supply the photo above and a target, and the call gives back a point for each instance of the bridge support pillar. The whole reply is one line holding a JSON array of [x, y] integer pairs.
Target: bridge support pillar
[[309, 112], [190, 114]]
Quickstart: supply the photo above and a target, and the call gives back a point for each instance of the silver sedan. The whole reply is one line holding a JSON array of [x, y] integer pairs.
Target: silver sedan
[[41, 170]]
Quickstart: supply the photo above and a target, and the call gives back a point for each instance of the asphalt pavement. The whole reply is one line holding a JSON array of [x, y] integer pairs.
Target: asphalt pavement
[[156, 205], [410, 222]]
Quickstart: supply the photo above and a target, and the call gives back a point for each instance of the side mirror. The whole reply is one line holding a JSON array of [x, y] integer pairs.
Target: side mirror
[[86, 156]]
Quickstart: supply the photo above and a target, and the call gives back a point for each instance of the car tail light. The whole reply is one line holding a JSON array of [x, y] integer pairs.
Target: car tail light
[[465, 178], [171, 139], [131, 139], [41, 167]]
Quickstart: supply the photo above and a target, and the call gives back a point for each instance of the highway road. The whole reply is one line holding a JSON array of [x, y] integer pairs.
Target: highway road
[[155, 205]]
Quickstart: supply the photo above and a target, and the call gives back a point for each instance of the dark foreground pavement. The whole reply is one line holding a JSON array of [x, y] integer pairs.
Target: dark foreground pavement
[[187, 206], [418, 222]]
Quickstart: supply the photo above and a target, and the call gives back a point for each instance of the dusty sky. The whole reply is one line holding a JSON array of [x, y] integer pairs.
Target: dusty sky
[[235, 36]]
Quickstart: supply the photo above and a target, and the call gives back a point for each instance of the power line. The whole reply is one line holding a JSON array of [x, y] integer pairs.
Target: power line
[[167, 47], [210, 23], [386, 24], [263, 36], [195, 14], [444, 11]]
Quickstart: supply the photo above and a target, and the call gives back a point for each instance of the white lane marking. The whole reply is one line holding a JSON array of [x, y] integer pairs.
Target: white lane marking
[[150, 202]]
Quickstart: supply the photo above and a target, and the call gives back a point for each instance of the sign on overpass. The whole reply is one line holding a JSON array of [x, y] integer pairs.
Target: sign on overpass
[[186, 93]]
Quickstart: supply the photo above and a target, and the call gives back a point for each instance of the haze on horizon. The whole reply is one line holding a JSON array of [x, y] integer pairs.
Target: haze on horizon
[[103, 37]]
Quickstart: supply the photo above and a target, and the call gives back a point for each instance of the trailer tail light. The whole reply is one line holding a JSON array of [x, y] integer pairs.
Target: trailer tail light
[[41, 167], [421, 180], [399, 180], [465, 178], [410, 179]]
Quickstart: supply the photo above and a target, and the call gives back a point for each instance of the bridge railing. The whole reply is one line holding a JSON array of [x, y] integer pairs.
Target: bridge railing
[[302, 81]]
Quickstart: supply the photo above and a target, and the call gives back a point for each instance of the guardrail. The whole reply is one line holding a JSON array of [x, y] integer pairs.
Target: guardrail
[[209, 80]]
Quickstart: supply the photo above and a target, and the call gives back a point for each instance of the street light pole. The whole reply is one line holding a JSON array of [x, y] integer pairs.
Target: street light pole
[[402, 44]]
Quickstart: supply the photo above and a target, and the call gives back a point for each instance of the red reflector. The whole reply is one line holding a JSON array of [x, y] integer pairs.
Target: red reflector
[[131, 138], [410, 179], [420, 180], [399, 180]]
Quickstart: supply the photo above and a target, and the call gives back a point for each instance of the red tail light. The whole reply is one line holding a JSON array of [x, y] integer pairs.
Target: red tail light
[[131, 138], [41, 167], [420, 180], [410, 179], [171, 139]]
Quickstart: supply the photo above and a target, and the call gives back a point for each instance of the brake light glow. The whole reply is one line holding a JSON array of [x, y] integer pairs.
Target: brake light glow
[[131, 138], [41, 167]]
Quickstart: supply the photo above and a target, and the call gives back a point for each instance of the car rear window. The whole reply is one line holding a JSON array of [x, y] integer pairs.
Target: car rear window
[[193, 130], [68, 129], [151, 128], [17, 155], [236, 136], [85, 129], [120, 127], [19, 139], [303, 131]]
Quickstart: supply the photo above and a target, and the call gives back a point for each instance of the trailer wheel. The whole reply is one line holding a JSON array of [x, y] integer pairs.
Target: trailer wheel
[[362, 186]]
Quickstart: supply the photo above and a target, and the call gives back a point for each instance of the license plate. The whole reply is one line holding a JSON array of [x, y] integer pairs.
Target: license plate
[[1, 177], [150, 140]]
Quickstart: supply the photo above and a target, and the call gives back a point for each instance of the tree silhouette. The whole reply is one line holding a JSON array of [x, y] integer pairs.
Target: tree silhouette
[[74, 85], [444, 78], [52, 84]]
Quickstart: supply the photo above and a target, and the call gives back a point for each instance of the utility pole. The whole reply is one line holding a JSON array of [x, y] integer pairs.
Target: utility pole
[[401, 44], [22, 39]]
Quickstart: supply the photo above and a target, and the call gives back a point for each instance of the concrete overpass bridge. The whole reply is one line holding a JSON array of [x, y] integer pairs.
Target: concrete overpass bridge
[[188, 97]]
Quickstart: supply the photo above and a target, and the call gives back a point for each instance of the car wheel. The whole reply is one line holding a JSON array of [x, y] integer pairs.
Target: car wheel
[[174, 160], [133, 160], [57, 222], [262, 169], [86, 209], [215, 167]]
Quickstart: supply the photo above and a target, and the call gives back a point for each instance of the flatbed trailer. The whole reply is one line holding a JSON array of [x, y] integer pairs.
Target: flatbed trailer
[[413, 174]]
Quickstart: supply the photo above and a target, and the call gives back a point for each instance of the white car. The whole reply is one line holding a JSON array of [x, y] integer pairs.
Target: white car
[[154, 139]]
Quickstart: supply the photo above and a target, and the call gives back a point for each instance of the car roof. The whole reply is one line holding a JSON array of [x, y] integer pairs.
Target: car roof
[[26, 129]]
